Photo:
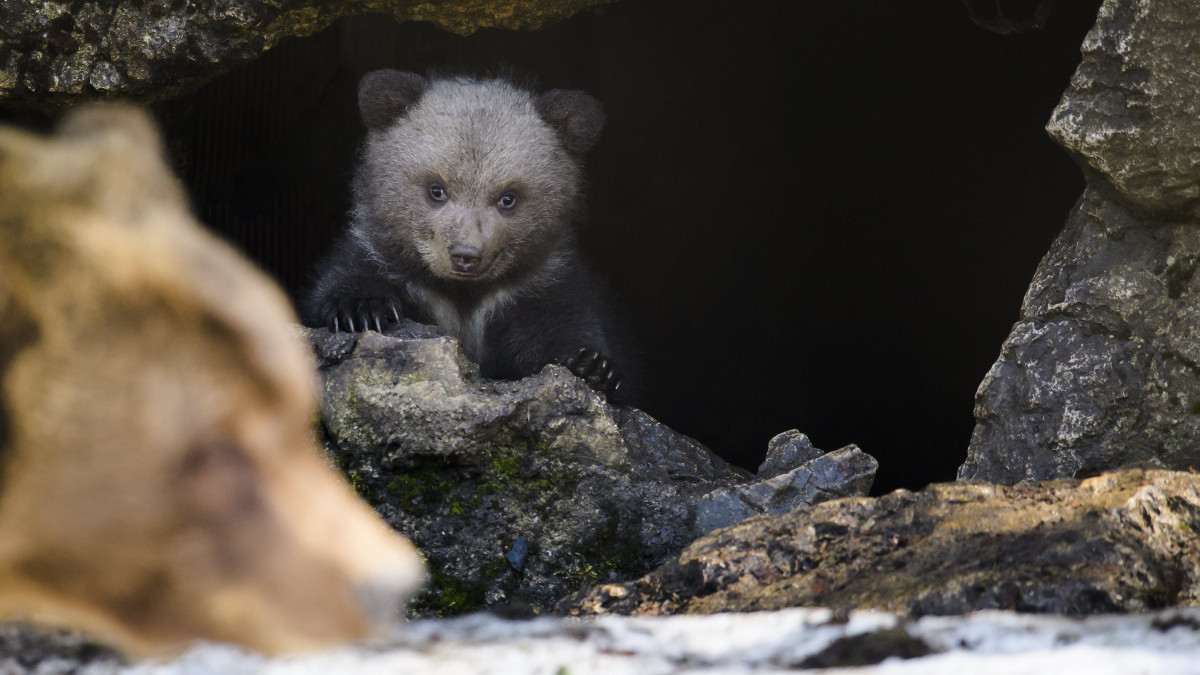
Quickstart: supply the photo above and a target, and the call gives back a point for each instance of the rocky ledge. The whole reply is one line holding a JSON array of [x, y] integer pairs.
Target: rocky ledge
[[1121, 542], [519, 493], [55, 52]]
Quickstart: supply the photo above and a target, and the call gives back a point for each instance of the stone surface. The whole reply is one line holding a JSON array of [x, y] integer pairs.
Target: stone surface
[[521, 492], [52, 51], [1120, 542], [516, 492], [988, 643], [1131, 115], [785, 452], [1103, 368], [848, 472]]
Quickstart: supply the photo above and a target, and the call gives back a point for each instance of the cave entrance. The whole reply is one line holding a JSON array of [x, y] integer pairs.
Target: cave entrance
[[815, 216]]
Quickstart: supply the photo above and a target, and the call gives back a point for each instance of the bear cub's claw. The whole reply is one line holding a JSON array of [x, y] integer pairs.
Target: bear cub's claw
[[367, 314], [599, 372]]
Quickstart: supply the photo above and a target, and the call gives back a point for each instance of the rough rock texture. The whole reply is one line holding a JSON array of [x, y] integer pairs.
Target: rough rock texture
[[785, 452], [1120, 542], [52, 51], [848, 472], [516, 492], [1103, 368], [1130, 116], [519, 492]]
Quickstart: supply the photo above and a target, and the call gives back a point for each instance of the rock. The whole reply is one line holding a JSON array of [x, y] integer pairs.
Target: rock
[[45, 650], [1101, 371], [1129, 116], [516, 492], [1120, 542], [785, 452], [848, 472], [987, 643], [53, 52], [1103, 368]]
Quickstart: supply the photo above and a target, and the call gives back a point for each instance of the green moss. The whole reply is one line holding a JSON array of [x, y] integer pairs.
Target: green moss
[[448, 596], [423, 486], [507, 466], [488, 489], [342, 462], [456, 509], [358, 483], [405, 487], [609, 551]]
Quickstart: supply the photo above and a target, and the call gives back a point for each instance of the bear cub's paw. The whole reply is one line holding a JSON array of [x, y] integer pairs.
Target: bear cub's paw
[[598, 371], [360, 314]]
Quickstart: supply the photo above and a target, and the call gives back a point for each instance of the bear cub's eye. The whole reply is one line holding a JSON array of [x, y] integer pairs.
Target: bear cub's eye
[[508, 201], [437, 193]]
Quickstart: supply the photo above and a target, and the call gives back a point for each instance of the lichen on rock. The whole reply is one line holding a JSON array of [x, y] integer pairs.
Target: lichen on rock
[[476, 469], [1120, 542], [520, 492]]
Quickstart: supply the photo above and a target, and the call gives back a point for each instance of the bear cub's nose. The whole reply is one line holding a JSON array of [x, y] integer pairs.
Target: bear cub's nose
[[464, 259]]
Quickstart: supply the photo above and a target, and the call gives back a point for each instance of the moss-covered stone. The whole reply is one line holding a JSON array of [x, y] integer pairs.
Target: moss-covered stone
[[467, 467]]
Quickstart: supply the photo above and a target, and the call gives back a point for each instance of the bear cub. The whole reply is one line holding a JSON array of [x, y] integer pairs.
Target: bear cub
[[465, 198]]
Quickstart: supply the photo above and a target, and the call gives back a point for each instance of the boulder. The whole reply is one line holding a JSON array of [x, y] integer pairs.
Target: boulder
[[1119, 542], [1129, 115], [520, 492], [55, 52], [1101, 371], [848, 472], [1103, 368]]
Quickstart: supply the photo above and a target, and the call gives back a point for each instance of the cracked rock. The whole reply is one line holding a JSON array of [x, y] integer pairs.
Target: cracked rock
[[1103, 368], [848, 472], [1120, 542]]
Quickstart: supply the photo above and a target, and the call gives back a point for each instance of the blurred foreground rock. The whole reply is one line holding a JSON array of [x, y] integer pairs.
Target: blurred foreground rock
[[521, 492], [988, 643], [1120, 542]]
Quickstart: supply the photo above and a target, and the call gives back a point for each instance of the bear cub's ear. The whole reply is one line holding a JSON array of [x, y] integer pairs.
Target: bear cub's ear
[[576, 116], [384, 95]]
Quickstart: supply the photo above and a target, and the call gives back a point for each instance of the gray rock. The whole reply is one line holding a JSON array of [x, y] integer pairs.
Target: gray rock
[[785, 452], [1103, 368], [1120, 542], [1101, 371], [516, 492], [848, 472], [1129, 116], [56, 51]]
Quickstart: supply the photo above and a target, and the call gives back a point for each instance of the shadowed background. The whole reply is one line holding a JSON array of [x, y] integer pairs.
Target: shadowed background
[[817, 216]]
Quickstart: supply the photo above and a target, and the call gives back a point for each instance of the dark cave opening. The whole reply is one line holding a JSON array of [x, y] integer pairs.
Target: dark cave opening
[[816, 216]]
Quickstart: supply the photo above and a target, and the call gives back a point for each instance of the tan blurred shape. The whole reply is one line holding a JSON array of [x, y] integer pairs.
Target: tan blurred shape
[[159, 482]]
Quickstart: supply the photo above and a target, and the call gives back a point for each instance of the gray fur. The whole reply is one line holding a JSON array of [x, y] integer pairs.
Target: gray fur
[[525, 299]]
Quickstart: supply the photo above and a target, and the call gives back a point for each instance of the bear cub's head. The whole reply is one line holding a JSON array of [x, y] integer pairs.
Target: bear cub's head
[[474, 180]]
